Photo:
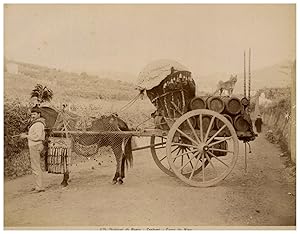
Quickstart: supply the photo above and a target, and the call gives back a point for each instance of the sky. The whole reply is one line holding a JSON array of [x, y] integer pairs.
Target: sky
[[125, 38]]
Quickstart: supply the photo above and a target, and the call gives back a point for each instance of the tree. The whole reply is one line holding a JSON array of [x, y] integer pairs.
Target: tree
[[42, 93]]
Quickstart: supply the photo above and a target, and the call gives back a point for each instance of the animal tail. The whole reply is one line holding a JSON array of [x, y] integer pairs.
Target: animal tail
[[218, 89], [127, 160], [128, 153]]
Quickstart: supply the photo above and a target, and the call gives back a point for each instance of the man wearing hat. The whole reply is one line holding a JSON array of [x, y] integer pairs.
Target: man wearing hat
[[36, 136]]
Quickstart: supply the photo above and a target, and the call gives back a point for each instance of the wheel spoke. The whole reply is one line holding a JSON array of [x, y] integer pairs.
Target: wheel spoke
[[188, 137], [171, 153], [201, 127], [194, 169], [186, 152], [209, 127], [224, 126], [189, 157], [193, 130], [221, 150], [178, 152], [163, 158], [186, 145], [161, 143], [211, 154], [220, 141], [161, 147], [211, 163], [176, 156], [186, 163], [174, 149], [203, 177], [159, 153]]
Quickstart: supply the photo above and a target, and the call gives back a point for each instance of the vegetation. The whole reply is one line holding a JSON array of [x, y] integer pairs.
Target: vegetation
[[42, 93], [69, 84], [15, 121], [277, 118]]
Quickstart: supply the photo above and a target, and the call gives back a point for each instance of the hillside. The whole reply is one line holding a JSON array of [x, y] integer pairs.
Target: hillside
[[67, 85], [119, 86], [268, 77]]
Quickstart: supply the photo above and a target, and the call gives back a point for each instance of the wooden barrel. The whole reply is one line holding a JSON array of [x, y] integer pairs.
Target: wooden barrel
[[197, 103], [240, 124], [185, 124], [216, 104], [205, 122], [233, 106], [219, 123]]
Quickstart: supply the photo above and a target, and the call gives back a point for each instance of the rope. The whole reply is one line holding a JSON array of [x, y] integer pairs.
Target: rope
[[249, 147], [143, 122], [130, 103]]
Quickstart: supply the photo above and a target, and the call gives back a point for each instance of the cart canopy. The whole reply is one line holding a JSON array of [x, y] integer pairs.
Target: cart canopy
[[155, 72]]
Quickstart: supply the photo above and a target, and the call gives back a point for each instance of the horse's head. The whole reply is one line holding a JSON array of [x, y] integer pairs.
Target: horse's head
[[114, 119]]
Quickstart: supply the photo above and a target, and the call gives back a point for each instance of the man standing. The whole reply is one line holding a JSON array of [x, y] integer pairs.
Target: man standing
[[258, 123], [36, 136]]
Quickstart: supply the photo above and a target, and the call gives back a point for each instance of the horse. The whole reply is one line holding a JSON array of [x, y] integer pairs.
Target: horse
[[120, 143]]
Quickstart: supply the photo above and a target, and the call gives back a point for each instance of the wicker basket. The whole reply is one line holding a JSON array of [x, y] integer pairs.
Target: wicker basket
[[59, 155]]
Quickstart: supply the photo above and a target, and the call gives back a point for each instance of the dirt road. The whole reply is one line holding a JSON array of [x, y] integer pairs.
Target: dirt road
[[265, 196]]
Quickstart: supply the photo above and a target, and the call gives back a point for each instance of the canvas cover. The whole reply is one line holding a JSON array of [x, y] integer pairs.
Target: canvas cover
[[157, 71]]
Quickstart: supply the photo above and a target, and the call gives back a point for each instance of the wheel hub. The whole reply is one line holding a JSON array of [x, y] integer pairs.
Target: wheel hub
[[202, 147], [205, 148]]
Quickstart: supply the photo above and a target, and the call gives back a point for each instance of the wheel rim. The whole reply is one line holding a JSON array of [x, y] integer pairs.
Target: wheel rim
[[219, 153], [159, 155], [158, 151]]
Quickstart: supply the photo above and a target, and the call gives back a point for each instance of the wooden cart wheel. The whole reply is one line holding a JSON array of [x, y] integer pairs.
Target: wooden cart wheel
[[158, 151], [203, 144]]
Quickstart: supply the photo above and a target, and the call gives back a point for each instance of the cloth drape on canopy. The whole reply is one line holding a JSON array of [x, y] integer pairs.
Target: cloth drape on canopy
[[169, 86], [155, 72]]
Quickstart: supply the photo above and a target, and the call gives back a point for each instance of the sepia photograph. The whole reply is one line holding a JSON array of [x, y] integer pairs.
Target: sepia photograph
[[149, 116]]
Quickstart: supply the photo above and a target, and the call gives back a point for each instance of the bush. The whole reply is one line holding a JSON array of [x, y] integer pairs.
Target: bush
[[15, 121]]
